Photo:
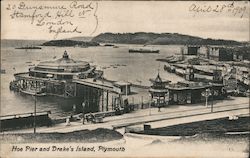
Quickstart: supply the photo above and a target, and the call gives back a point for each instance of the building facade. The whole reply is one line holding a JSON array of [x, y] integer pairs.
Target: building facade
[[203, 52], [190, 50], [221, 54], [191, 92]]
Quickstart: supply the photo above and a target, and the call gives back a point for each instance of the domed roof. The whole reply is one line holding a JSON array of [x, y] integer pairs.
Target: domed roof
[[64, 63]]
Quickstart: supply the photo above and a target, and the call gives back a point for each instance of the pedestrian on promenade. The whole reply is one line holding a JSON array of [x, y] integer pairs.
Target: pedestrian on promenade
[[83, 119], [68, 121], [159, 108]]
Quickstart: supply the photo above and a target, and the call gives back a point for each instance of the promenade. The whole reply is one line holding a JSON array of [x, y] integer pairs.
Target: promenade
[[172, 115]]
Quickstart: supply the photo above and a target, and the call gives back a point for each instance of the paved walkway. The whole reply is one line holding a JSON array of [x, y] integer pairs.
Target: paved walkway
[[168, 116]]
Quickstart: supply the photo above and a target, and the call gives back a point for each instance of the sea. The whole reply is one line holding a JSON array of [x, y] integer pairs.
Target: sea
[[117, 63]]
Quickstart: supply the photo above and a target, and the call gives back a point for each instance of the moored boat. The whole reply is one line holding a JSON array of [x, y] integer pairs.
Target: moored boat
[[3, 71], [29, 47], [143, 50], [35, 93]]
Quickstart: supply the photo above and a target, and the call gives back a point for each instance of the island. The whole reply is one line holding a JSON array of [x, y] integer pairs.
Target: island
[[70, 43], [146, 38]]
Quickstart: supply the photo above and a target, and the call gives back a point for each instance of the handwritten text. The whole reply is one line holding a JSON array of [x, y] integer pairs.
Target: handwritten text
[[57, 19], [231, 8]]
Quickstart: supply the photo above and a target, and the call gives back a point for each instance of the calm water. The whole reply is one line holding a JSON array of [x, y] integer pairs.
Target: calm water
[[135, 68]]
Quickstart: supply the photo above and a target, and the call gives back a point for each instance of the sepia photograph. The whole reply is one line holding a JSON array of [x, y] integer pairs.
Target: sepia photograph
[[125, 79]]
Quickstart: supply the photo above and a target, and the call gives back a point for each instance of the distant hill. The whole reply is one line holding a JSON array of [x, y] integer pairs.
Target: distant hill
[[84, 38], [20, 43], [159, 39], [69, 43]]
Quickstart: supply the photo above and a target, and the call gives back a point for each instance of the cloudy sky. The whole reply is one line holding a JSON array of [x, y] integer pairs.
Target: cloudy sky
[[140, 16]]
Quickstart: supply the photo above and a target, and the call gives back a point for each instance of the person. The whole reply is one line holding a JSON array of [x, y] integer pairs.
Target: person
[[67, 121], [83, 115], [74, 109], [159, 108], [91, 117], [83, 118]]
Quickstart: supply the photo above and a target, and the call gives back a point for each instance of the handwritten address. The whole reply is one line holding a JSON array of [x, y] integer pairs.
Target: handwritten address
[[56, 19], [231, 8]]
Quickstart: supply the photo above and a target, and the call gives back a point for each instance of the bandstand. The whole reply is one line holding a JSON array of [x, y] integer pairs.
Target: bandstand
[[158, 91]]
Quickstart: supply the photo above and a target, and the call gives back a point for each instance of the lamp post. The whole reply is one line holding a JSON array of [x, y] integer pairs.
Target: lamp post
[[212, 105], [212, 93], [126, 90], [34, 123], [206, 94], [83, 118], [150, 104], [142, 102]]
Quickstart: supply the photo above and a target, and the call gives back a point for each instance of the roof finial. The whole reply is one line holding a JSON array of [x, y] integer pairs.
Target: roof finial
[[158, 69], [65, 55]]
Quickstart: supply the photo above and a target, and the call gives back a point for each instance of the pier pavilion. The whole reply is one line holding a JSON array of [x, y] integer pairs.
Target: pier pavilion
[[68, 79], [54, 77]]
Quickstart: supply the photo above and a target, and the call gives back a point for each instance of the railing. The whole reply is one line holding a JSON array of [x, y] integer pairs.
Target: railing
[[20, 73], [23, 114]]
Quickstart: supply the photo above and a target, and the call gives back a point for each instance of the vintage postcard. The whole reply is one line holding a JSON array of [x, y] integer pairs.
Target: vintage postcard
[[124, 79]]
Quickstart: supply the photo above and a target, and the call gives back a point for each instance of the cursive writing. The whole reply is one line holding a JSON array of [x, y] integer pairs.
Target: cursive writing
[[76, 5], [66, 18], [60, 30], [34, 15], [227, 8]]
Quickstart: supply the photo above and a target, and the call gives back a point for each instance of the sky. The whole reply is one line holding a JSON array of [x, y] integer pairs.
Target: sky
[[122, 17]]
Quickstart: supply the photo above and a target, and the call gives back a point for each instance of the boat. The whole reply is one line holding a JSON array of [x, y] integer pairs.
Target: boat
[[169, 68], [143, 50], [3, 71], [109, 45], [29, 47], [35, 93]]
